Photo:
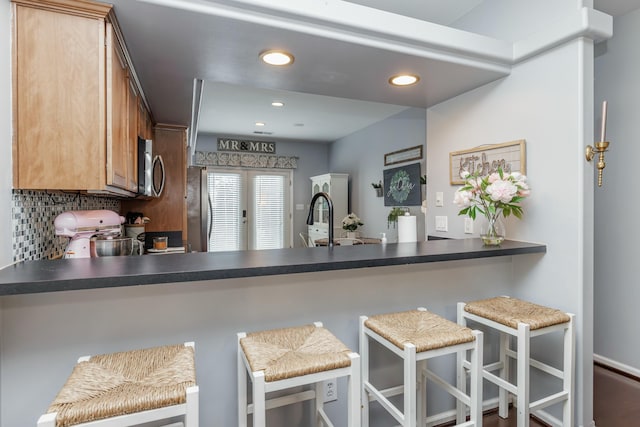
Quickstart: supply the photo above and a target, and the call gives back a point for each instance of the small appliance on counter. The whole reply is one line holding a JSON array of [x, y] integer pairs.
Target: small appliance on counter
[[81, 226]]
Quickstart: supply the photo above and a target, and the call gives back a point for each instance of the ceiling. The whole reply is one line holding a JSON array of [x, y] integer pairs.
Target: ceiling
[[325, 96]]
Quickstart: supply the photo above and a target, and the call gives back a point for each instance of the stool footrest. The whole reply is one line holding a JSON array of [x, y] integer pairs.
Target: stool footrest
[[325, 418], [462, 397], [277, 402], [384, 402], [548, 401], [538, 365]]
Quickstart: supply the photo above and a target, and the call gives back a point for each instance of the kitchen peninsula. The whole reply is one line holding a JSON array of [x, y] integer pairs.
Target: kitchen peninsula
[[93, 273], [52, 312]]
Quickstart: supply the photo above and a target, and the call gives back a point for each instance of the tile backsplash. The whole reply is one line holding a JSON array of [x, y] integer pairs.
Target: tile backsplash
[[32, 216]]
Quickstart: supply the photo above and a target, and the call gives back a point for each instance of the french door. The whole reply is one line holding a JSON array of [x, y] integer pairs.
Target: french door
[[250, 209]]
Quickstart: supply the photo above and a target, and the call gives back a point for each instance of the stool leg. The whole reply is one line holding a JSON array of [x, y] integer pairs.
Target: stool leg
[[523, 374], [192, 414], [409, 386], [505, 373], [364, 360], [259, 409], [319, 404], [475, 392], [568, 371], [354, 386], [421, 400], [242, 385], [461, 374]]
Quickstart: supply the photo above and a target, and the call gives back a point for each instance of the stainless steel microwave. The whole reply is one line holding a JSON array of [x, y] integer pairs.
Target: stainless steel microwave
[[151, 174]]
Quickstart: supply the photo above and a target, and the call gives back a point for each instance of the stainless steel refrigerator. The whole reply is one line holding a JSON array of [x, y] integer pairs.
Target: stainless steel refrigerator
[[198, 210]]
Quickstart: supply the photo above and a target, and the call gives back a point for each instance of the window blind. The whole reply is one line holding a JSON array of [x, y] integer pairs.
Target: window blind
[[225, 190], [269, 211]]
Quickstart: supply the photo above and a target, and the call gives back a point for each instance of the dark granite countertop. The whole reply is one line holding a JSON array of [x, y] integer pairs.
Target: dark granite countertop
[[92, 273]]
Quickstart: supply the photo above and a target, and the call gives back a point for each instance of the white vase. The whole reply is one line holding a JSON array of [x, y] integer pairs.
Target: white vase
[[351, 234]]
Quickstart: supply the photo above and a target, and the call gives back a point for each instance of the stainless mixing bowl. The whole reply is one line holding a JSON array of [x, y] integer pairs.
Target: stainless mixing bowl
[[116, 246]]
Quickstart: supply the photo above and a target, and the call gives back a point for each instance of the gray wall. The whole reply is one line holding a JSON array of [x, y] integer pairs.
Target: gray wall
[[539, 102], [44, 334], [616, 288], [5, 155], [361, 155]]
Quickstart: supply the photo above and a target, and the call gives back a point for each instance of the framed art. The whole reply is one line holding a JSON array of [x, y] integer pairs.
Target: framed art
[[402, 186], [405, 155], [486, 159]]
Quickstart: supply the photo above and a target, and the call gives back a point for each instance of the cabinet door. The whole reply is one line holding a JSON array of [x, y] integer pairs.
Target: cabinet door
[[117, 114], [132, 140], [58, 74]]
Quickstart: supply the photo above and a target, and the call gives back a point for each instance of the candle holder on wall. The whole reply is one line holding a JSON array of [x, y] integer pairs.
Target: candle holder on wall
[[590, 153], [599, 147]]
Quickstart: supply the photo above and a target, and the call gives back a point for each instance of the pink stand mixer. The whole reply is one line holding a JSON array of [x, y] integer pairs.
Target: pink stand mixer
[[80, 226]]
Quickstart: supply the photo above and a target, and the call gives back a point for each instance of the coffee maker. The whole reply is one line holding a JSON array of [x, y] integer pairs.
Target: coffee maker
[[80, 226]]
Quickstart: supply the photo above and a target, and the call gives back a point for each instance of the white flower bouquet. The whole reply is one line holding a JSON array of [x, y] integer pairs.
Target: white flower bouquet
[[351, 222]]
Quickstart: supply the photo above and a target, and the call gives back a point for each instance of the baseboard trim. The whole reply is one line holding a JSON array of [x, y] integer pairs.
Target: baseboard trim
[[617, 367]]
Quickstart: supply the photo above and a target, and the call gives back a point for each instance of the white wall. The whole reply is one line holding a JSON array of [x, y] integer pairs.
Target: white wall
[[361, 155], [539, 102], [617, 73]]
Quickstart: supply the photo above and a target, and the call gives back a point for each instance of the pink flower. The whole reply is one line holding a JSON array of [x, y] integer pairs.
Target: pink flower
[[502, 191], [493, 177], [462, 198]]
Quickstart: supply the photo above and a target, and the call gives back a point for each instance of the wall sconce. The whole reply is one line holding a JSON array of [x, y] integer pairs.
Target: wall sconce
[[600, 147]]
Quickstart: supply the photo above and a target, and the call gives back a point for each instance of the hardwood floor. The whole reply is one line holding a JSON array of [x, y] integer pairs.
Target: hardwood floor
[[616, 397], [615, 402]]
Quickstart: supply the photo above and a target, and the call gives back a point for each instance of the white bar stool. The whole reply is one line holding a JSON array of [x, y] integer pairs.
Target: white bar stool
[[416, 336], [280, 359], [128, 388], [524, 320]]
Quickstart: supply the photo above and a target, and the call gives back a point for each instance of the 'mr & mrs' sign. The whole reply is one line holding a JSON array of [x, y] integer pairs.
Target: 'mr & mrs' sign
[[486, 159]]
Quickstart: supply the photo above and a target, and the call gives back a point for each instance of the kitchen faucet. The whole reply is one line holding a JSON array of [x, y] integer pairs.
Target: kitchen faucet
[[310, 217]]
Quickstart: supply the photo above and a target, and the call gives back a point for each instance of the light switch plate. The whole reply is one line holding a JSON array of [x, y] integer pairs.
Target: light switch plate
[[439, 198], [442, 223], [468, 225]]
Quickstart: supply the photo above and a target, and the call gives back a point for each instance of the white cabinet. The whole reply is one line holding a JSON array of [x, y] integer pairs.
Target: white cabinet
[[336, 186]]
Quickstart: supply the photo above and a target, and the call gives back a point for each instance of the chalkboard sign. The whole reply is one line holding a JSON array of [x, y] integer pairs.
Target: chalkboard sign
[[402, 186]]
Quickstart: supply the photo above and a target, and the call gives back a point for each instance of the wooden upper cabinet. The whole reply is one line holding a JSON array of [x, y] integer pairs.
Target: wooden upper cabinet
[[75, 106], [59, 128], [117, 113], [132, 138]]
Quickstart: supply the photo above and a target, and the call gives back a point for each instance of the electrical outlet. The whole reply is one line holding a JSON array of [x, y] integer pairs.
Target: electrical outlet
[[442, 223], [468, 225], [330, 390]]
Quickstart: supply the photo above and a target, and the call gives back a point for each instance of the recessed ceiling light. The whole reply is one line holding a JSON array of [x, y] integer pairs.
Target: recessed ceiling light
[[404, 79], [259, 123], [276, 57], [277, 104]]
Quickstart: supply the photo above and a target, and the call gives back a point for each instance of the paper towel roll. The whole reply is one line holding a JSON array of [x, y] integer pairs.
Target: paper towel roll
[[407, 231]]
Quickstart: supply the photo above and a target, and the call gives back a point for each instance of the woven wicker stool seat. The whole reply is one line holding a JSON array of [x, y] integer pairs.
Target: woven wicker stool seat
[[522, 320], [416, 336], [129, 388], [511, 311], [284, 358]]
